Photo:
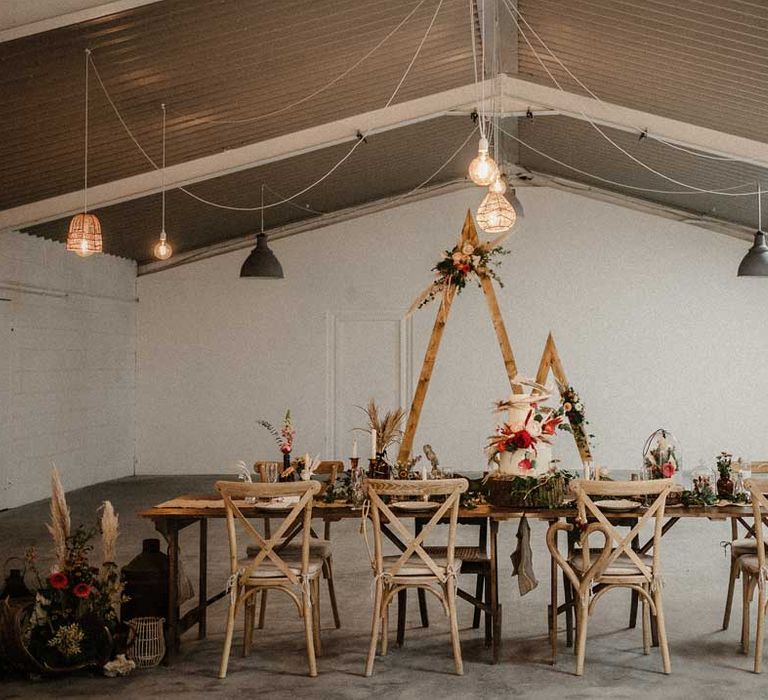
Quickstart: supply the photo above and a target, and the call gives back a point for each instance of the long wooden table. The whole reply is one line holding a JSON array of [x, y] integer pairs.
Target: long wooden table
[[170, 521]]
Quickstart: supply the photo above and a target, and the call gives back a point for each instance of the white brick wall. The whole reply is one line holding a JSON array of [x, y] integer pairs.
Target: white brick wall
[[67, 368]]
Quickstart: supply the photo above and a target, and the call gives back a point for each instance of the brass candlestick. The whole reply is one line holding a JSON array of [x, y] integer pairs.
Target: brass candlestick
[[355, 463]]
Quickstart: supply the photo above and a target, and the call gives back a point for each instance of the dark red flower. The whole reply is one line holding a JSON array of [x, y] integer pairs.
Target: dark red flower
[[59, 581], [82, 590], [523, 439], [525, 464]]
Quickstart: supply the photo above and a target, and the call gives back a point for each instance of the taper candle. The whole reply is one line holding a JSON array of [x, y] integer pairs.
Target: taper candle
[[373, 443], [354, 449]]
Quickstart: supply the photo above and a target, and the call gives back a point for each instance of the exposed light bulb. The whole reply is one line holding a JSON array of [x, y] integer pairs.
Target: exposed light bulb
[[499, 185], [162, 249], [483, 169], [496, 214]]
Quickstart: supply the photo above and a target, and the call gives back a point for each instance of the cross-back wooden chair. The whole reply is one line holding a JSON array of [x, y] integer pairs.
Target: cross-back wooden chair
[[741, 544], [413, 567], [319, 546], [295, 574], [592, 572], [754, 573]]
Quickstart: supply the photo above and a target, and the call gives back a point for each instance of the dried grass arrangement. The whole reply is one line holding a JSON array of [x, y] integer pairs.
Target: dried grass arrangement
[[388, 427], [109, 532], [61, 522]]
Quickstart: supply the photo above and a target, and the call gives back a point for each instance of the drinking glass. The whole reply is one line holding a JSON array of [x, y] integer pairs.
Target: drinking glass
[[272, 470]]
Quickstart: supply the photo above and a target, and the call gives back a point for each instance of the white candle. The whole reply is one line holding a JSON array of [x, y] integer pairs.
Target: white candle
[[354, 449], [373, 443], [587, 470]]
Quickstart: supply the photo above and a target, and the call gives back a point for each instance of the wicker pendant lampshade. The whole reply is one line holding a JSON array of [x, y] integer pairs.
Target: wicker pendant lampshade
[[84, 236], [496, 214]]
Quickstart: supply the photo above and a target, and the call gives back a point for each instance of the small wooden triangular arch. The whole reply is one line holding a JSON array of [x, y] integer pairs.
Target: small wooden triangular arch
[[468, 235], [550, 360]]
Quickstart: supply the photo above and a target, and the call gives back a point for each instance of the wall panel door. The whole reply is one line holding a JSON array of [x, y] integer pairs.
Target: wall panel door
[[369, 357]]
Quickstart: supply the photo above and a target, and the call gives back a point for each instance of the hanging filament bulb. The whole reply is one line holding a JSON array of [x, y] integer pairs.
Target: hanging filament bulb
[[499, 185], [496, 214], [483, 169], [162, 250]]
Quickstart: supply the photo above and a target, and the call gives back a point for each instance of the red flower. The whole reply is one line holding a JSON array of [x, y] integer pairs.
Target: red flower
[[285, 449], [59, 581], [525, 464], [523, 440], [463, 268], [668, 470], [82, 590], [549, 427]]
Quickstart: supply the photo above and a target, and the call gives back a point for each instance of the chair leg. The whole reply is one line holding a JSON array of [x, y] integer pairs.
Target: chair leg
[[450, 593], [582, 616], [375, 624], [646, 626], [568, 596], [384, 629], [423, 607], [760, 630], [328, 566], [662, 629], [746, 582], [733, 575], [479, 586], [315, 599], [309, 633], [263, 609], [553, 605], [227, 640]]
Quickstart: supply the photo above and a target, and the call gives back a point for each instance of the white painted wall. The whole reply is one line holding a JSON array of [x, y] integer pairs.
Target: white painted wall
[[67, 368], [652, 323]]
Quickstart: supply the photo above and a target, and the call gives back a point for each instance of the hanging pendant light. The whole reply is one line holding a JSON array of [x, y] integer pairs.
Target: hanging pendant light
[[262, 261], [162, 249], [755, 262], [496, 214], [84, 235], [483, 169]]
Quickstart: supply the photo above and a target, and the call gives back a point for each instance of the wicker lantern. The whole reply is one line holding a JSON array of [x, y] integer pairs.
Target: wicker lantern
[[496, 214], [84, 237]]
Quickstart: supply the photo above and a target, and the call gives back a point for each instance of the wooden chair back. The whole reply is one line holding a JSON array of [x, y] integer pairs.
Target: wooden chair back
[[414, 489], [617, 542], [232, 491], [760, 467], [758, 488]]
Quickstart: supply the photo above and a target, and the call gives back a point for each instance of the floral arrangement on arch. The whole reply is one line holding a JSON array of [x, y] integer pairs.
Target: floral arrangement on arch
[[540, 426], [76, 609], [460, 264], [573, 408], [285, 436]]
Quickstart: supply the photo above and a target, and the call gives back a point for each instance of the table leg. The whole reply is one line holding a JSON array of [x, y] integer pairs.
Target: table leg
[[402, 604], [495, 607], [172, 533], [202, 600], [421, 594], [553, 605], [635, 595]]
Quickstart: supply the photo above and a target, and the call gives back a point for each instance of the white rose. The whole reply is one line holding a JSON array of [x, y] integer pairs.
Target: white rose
[[468, 249]]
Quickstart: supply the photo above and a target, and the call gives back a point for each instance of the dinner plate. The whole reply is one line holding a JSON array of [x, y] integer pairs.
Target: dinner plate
[[415, 505], [276, 504], [617, 505]]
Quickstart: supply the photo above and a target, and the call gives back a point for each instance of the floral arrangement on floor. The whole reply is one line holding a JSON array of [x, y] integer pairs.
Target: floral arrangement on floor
[[76, 608], [660, 457], [540, 426], [285, 436], [459, 265]]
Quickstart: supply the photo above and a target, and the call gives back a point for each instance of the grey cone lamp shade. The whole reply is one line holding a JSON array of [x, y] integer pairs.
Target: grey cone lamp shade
[[262, 261], [755, 262]]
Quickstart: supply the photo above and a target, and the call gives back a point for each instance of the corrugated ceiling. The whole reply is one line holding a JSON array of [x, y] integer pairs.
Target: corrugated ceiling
[[389, 163]]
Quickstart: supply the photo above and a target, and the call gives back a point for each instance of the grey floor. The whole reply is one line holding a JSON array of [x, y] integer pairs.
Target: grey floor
[[705, 660]]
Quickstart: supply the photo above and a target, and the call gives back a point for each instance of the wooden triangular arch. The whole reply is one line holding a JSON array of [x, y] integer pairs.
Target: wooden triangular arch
[[468, 235], [550, 360]]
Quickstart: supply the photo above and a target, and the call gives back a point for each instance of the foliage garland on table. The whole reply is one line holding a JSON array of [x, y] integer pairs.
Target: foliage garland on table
[[463, 262]]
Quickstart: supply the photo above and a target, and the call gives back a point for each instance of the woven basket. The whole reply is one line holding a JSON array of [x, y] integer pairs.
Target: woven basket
[[508, 491]]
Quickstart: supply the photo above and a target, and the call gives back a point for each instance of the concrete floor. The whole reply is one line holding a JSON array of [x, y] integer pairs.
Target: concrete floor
[[705, 660]]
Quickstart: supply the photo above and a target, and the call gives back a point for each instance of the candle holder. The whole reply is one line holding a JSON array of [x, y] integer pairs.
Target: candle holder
[[354, 463]]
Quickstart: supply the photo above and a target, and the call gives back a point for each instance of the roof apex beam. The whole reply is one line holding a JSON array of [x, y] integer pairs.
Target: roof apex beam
[[626, 119], [250, 156]]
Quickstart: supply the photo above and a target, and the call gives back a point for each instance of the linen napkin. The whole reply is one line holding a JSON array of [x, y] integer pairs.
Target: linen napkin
[[522, 559]]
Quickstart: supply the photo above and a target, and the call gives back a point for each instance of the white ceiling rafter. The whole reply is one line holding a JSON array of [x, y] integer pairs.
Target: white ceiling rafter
[[28, 18]]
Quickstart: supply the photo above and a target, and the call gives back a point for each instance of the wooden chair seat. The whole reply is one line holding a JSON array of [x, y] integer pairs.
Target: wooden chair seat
[[467, 555], [622, 566], [318, 548], [416, 567], [744, 545], [268, 570]]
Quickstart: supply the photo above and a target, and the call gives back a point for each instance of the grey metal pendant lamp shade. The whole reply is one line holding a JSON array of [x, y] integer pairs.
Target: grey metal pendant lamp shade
[[755, 262], [262, 261]]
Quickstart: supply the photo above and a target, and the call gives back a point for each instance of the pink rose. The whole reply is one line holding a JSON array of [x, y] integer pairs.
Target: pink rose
[[525, 464], [668, 470]]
